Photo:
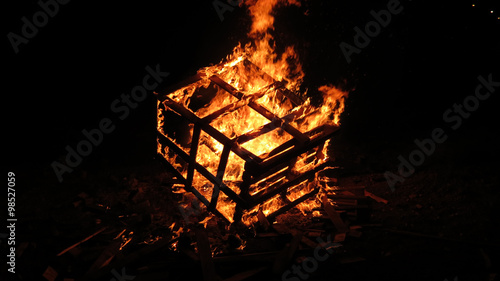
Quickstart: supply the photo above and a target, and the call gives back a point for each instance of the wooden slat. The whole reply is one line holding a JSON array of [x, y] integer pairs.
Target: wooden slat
[[268, 194], [260, 109], [81, 241], [228, 88], [228, 191], [220, 176], [168, 90], [290, 154], [296, 100], [285, 256], [274, 177], [176, 173], [284, 209], [220, 137], [192, 155], [376, 198], [205, 253], [279, 84], [172, 145], [228, 108], [258, 132], [335, 218]]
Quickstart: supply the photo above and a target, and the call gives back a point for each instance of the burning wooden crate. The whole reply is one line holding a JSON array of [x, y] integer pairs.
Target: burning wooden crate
[[244, 143]]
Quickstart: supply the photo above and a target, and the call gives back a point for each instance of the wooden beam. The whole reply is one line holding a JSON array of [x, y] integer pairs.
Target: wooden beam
[[228, 108], [205, 254], [260, 109], [81, 241], [286, 255], [287, 207], [192, 154], [268, 194], [376, 198], [168, 90], [335, 218]]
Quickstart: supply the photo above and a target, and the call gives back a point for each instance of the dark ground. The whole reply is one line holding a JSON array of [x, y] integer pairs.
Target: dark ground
[[427, 59]]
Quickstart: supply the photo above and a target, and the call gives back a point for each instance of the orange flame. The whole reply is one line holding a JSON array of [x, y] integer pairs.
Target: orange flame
[[257, 72]]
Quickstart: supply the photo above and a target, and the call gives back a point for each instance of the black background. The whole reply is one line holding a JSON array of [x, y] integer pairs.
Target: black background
[[65, 79]]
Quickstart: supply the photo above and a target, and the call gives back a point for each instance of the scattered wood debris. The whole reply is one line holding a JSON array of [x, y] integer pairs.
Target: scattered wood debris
[[137, 231]]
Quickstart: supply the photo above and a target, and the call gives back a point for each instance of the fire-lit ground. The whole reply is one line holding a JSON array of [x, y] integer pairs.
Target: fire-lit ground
[[441, 222], [436, 225]]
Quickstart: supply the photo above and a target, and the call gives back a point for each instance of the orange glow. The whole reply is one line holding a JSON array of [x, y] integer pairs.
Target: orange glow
[[260, 76]]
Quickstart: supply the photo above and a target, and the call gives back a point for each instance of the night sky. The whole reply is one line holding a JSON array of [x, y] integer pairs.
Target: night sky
[[66, 77], [72, 74]]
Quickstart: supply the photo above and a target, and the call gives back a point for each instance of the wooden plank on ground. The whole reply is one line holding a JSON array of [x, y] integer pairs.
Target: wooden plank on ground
[[81, 241], [375, 197], [286, 255], [246, 274], [336, 219], [205, 253]]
